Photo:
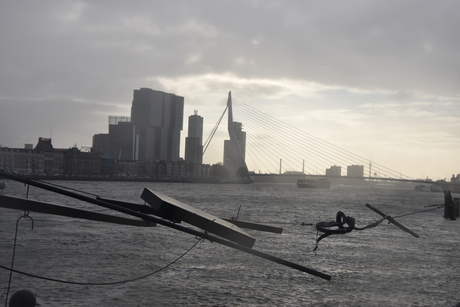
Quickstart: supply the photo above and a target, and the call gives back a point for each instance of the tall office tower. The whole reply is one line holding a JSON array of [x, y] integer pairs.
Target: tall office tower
[[194, 141], [158, 119], [229, 152], [122, 138]]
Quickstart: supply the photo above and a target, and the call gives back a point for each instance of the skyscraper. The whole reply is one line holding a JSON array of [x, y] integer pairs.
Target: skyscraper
[[194, 141], [122, 140], [158, 120], [230, 161]]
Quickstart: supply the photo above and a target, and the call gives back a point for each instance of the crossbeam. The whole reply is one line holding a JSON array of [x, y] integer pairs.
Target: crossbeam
[[174, 210], [194, 232], [149, 210], [391, 220], [41, 207]]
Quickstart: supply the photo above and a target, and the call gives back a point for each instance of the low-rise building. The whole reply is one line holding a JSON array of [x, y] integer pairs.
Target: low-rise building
[[355, 171], [334, 171]]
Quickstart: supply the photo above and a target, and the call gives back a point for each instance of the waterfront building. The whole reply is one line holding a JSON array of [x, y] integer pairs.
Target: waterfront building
[[81, 164], [334, 171], [53, 159], [122, 138], [41, 160], [128, 168], [21, 161], [158, 120], [101, 143], [355, 171], [74, 163], [44, 144], [70, 162], [194, 140]]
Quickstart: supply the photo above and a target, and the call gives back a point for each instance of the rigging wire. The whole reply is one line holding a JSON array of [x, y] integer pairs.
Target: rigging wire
[[25, 216], [416, 212], [101, 283], [65, 187]]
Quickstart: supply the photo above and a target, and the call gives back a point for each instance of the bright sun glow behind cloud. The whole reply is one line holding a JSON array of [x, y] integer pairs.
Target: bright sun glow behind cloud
[[379, 79]]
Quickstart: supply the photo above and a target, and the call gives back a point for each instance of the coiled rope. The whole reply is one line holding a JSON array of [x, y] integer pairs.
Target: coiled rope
[[343, 224]]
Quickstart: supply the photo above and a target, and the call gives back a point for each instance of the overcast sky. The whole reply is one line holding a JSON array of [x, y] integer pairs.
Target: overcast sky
[[378, 78]]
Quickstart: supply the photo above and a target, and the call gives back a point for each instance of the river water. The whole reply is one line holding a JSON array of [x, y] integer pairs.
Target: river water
[[380, 266]]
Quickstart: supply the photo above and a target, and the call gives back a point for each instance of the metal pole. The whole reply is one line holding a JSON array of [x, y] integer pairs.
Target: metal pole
[[167, 224]]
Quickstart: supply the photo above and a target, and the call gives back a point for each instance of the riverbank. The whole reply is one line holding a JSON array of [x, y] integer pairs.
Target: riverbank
[[136, 179]]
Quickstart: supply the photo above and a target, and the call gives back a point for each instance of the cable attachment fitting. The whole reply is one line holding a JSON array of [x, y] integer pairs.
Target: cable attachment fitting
[[25, 216]]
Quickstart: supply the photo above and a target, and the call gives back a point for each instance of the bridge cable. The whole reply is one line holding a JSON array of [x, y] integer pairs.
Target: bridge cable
[[321, 148], [208, 141]]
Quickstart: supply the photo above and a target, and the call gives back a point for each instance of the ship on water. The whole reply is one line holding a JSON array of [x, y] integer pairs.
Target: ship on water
[[320, 183]]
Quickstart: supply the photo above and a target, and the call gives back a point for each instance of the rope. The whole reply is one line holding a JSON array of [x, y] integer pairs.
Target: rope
[[102, 283], [62, 187], [340, 221], [344, 224], [438, 206], [11, 268], [25, 215]]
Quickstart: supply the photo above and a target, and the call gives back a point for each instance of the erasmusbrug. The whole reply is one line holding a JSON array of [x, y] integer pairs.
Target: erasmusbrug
[[273, 146]]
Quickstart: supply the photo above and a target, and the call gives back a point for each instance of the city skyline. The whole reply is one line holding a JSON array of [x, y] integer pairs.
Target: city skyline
[[377, 78], [115, 121]]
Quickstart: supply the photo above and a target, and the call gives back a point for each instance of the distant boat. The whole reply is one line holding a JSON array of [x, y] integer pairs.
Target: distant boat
[[321, 183], [428, 188], [382, 185]]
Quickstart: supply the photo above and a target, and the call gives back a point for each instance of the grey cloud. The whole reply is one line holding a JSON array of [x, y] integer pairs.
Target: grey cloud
[[375, 44], [99, 51]]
